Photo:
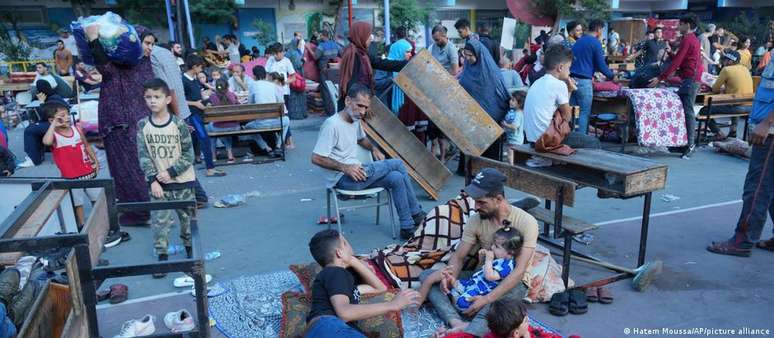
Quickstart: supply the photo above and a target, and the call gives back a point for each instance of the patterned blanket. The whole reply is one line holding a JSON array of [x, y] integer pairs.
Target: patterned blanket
[[435, 241], [659, 116]]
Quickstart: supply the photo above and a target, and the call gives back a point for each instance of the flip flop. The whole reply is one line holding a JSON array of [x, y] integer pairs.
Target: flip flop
[[186, 281], [605, 296], [578, 304], [559, 304], [592, 294], [766, 245], [726, 248]]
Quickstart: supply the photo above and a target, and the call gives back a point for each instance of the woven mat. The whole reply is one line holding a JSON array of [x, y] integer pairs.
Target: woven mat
[[252, 308]]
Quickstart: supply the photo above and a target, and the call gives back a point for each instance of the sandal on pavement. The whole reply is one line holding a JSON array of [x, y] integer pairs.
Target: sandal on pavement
[[605, 296], [592, 295], [559, 304], [728, 248], [578, 304], [216, 173], [766, 245]]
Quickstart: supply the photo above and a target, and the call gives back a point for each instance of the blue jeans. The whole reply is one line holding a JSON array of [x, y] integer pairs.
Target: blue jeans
[[583, 97], [204, 140], [33, 141], [392, 175], [757, 195], [332, 327], [225, 140], [7, 329], [270, 123]]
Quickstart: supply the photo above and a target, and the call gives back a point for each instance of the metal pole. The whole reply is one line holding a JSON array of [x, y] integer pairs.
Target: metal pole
[[349, 13], [188, 22], [170, 24], [386, 22], [180, 33]]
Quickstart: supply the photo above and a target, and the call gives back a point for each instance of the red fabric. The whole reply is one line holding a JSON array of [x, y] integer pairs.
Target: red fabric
[[310, 65], [687, 60], [608, 86], [358, 36], [669, 26], [71, 158], [3, 141]]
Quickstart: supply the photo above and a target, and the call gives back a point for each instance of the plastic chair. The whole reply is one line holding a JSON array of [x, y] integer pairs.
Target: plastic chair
[[334, 94], [365, 157]]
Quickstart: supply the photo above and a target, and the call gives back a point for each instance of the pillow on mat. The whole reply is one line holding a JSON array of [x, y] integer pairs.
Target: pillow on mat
[[305, 274], [296, 306]]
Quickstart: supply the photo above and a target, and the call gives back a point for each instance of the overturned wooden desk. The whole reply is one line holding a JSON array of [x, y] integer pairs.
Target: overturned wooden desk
[[613, 174]]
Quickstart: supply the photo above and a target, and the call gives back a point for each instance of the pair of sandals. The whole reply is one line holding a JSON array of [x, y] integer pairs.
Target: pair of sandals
[[569, 301], [117, 293], [599, 295]]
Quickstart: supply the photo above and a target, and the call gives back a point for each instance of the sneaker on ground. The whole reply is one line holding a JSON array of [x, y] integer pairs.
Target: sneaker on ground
[[137, 328], [27, 163], [539, 162], [179, 321], [113, 239]]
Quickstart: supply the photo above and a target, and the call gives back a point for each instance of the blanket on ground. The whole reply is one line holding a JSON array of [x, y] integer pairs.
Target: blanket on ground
[[436, 240]]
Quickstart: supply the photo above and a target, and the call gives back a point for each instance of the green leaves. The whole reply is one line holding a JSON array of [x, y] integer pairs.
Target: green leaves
[[406, 13]]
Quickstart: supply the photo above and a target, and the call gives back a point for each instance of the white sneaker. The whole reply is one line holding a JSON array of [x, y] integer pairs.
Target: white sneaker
[[539, 162], [27, 163], [179, 321], [186, 281], [138, 327]]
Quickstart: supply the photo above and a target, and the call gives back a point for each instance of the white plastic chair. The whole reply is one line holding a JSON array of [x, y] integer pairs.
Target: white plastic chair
[[365, 157], [334, 94]]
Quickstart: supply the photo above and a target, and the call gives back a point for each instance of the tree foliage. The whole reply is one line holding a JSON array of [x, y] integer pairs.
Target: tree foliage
[[212, 11], [152, 12], [585, 10], [265, 33], [406, 13], [13, 47], [142, 12], [749, 24], [82, 7]]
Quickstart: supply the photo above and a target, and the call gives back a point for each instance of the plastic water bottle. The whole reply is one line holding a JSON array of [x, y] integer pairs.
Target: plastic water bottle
[[173, 249], [412, 327], [211, 255]]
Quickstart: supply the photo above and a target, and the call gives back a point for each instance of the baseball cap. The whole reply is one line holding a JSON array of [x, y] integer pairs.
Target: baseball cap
[[731, 55], [488, 180]]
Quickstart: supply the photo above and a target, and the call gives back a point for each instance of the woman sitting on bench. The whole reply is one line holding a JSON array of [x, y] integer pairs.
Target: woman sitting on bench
[[223, 97]]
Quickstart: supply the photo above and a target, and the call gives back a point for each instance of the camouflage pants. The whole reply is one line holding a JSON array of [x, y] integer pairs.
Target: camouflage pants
[[162, 220]]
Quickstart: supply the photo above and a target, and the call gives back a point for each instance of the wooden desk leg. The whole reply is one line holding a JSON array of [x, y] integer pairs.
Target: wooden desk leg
[[201, 299], [546, 227], [644, 229], [88, 291], [558, 212]]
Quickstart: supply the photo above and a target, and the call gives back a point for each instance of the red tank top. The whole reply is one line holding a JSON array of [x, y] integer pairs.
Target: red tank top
[[70, 155]]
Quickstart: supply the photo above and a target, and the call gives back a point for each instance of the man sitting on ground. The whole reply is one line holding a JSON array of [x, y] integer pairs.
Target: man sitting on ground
[[336, 150], [549, 94], [493, 213], [737, 80], [335, 295]]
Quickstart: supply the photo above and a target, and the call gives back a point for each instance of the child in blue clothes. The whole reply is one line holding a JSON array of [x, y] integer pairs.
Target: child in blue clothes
[[513, 123], [499, 262]]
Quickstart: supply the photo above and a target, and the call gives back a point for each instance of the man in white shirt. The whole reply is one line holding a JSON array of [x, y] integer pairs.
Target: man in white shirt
[[43, 74], [551, 93], [336, 152], [278, 63], [263, 91]]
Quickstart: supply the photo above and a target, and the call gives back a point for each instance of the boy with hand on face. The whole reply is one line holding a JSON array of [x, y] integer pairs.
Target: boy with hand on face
[[166, 158], [335, 293]]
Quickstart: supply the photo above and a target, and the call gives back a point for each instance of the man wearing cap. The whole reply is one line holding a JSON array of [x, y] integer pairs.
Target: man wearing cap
[[492, 213], [736, 79]]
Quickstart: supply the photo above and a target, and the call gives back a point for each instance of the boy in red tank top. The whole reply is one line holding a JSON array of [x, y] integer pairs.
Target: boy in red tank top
[[72, 154]]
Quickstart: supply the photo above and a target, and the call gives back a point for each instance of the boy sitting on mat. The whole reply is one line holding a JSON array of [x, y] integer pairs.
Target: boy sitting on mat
[[337, 289], [498, 264]]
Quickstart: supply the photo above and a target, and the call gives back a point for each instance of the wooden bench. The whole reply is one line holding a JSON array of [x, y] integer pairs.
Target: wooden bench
[[722, 100], [32, 225], [244, 113]]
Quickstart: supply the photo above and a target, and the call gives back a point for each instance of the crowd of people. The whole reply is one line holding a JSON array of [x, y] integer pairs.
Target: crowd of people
[[152, 130]]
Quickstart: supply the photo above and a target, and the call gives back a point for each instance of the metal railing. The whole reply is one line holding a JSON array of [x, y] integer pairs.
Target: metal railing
[[23, 66]]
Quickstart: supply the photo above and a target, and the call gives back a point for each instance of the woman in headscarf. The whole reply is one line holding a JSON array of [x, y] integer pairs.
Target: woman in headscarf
[[399, 51], [357, 65], [483, 80], [121, 106]]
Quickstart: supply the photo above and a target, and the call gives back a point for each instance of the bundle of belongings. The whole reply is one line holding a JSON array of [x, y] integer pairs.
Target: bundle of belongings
[[552, 138], [119, 39]]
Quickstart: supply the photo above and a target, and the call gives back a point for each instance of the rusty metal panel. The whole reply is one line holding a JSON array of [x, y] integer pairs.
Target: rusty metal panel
[[447, 104], [408, 147]]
